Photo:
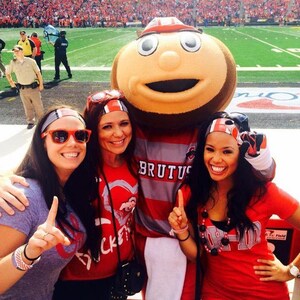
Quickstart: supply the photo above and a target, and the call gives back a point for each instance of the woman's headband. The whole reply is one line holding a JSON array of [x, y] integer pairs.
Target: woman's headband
[[60, 113], [114, 105], [112, 98], [224, 125]]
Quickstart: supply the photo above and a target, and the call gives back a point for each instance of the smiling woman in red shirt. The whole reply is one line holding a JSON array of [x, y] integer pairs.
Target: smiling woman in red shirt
[[225, 212]]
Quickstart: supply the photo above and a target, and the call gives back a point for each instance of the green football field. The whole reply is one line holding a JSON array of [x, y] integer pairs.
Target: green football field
[[262, 54]]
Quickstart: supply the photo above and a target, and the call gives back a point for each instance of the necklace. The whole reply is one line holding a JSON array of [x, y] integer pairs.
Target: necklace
[[224, 241]]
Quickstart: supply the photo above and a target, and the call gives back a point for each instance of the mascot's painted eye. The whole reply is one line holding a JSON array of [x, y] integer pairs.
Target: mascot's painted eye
[[190, 42], [147, 45]]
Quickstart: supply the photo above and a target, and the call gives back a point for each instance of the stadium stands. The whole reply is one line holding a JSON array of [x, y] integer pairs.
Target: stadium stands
[[100, 13]]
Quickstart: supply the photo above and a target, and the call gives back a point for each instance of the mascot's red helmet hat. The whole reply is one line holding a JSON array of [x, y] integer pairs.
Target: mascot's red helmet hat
[[166, 24]]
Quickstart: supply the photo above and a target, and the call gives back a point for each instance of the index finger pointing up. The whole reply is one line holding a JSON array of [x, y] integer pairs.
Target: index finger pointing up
[[52, 213], [180, 199]]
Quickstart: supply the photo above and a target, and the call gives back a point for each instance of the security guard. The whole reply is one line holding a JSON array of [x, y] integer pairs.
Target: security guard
[[29, 48], [60, 54], [30, 84]]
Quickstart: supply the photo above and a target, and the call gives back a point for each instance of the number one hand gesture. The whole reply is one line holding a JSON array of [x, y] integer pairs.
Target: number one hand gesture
[[47, 235], [177, 218]]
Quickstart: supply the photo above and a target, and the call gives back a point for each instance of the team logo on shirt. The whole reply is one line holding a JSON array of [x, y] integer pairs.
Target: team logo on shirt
[[121, 212], [191, 153], [159, 171]]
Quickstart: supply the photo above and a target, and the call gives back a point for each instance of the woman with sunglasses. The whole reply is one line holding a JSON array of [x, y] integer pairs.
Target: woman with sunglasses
[[225, 212], [111, 163], [35, 245], [110, 175]]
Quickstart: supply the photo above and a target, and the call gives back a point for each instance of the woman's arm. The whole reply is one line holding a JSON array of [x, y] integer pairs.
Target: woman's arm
[[11, 195], [274, 270], [16, 258], [294, 219], [183, 230]]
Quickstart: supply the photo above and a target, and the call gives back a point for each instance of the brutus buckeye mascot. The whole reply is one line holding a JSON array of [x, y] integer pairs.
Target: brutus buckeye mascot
[[174, 76]]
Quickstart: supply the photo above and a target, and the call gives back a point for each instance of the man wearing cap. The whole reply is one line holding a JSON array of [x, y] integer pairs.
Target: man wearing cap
[[29, 48], [29, 83], [61, 44]]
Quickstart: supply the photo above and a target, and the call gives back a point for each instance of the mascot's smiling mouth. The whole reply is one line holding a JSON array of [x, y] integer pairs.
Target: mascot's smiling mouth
[[173, 86]]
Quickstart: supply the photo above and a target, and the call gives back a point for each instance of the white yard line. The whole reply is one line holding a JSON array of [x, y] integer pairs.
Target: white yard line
[[276, 31], [89, 46], [82, 68], [277, 68], [108, 69], [271, 45]]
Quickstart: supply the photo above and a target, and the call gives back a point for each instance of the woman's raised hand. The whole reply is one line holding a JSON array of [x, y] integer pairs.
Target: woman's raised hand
[[177, 218], [47, 234]]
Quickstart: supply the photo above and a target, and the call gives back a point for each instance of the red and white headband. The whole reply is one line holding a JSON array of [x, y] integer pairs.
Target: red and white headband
[[224, 125], [114, 105]]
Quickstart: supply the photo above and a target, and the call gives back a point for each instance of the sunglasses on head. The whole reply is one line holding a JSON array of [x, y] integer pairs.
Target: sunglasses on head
[[103, 96], [60, 136]]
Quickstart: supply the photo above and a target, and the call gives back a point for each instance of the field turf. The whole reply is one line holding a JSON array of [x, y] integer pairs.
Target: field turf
[[262, 54]]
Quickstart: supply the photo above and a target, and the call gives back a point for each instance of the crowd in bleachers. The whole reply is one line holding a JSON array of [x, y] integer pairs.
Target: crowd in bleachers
[[272, 9], [81, 13]]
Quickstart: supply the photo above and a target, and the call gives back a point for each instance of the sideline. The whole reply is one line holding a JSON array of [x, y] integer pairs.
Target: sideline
[[14, 142], [238, 68]]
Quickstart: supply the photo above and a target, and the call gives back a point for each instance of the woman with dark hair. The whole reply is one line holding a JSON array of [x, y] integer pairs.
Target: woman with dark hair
[[223, 209], [109, 174], [57, 149], [112, 164], [98, 106]]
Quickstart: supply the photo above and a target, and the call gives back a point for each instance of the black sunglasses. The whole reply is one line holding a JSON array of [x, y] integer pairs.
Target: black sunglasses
[[60, 136]]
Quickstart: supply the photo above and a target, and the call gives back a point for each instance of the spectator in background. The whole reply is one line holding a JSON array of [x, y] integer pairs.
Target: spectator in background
[[60, 54], [29, 48], [30, 84], [2, 67], [38, 57]]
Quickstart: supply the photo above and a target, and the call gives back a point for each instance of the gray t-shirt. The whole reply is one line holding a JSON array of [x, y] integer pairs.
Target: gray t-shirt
[[38, 282]]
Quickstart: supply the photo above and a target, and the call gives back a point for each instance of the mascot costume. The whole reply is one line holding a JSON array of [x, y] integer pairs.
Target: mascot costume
[[173, 77]]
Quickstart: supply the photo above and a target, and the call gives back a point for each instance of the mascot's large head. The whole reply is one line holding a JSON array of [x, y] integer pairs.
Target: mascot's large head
[[174, 75]]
